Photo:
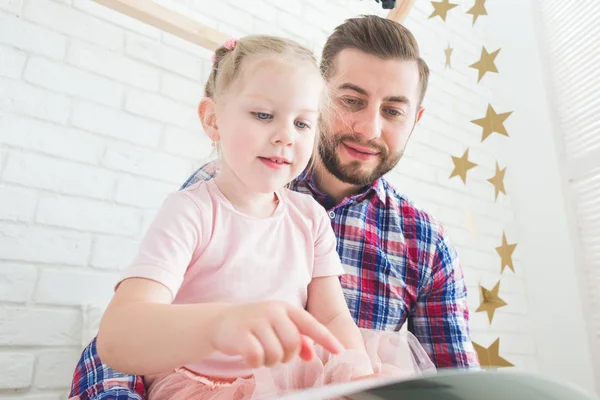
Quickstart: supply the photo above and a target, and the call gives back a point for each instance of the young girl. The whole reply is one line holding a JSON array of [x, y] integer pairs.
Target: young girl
[[238, 276]]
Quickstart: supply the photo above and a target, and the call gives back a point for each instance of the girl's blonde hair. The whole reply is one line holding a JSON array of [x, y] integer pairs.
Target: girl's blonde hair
[[228, 61]]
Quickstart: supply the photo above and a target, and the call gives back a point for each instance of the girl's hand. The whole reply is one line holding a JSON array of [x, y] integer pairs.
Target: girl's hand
[[270, 332]]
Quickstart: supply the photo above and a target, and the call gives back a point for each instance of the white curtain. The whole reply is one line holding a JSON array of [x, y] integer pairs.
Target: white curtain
[[570, 33]]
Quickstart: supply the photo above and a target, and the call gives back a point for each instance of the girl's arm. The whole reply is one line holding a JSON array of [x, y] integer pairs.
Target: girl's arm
[[143, 333], [327, 304]]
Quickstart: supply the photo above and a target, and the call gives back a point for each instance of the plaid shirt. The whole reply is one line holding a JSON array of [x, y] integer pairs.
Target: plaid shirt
[[399, 264]]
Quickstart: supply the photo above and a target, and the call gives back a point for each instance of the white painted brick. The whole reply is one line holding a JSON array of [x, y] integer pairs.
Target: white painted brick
[[474, 258], [428, 154], [403, 183], [74, 23], [231, 30], [11, 6], [503, 321], [181, 89], [291, 23], [34, 326], [59, 176], [17, 282], [43, 244], [117, 18], [115, 253], [220, 11], [294, 7], [116, 123], [73, 81], [149, 163], [87, 215], [21, 98], [318, 18], [17, 204], [418, 169], [30, 37], [518, 302], [194, 145], [91, 322], [54, 369], [76, 285], [148, 218], [163, 56], [334, 11], [17, 370], [141, 192], [266, 28], [511, 285], [51, 139], [159, 108], [509, 343], [188, 47], [257, 8], [113, 65], [13, 62]]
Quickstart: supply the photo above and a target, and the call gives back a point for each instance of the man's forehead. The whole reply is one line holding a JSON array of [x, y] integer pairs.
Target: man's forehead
[[393, 77]]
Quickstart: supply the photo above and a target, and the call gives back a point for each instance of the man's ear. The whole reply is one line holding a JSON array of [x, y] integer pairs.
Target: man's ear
[[420, 114], [208, 117]]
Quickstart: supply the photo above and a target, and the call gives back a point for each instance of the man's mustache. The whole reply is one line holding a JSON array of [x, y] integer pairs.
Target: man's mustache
[[350, 138]]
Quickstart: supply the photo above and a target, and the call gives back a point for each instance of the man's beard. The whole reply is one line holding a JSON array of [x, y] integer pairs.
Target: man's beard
[[352, 172]]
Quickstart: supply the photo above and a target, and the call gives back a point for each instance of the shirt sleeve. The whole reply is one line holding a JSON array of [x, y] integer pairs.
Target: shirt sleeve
[[204, 173], [169, 245], [327, 260], [441, 318]]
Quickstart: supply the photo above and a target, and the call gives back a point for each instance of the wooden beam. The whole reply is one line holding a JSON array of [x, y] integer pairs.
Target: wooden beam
[[400, 12], [169, 21]]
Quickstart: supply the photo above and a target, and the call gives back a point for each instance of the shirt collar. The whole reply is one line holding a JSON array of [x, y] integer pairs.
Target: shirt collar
[[378, 187]]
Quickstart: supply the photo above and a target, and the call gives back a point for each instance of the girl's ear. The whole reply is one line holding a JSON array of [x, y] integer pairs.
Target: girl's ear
[[208, 117]]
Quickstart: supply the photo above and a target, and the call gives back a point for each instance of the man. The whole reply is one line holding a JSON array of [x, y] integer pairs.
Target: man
[[398, 260]]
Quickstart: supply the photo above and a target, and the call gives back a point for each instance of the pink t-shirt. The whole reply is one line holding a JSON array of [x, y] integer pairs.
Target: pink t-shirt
[[204, 250]]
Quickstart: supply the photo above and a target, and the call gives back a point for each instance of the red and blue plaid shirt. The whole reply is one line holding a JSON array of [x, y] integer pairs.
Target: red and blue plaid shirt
[[399, 264]]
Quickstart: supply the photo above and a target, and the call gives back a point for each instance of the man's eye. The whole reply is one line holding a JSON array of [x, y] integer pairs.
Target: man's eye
[[393, 112]]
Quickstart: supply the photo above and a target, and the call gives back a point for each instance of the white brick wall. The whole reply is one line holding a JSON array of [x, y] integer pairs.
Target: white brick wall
[[98, 122]]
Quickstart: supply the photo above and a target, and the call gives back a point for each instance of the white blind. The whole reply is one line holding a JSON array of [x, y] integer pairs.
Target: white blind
[[571, 32]]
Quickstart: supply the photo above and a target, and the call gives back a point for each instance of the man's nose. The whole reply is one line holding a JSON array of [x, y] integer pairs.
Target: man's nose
[[368, 124]]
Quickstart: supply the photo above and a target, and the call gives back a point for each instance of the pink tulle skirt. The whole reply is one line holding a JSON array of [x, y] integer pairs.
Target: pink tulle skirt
[[391, 354]]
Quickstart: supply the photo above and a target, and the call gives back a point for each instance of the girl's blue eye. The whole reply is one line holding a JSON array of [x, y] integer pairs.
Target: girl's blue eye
[[263, 116]]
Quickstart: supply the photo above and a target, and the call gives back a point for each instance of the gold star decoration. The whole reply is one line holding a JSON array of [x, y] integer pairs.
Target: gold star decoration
[[489, 301], [477, 10], [490, 357], [448, 53], [498, 180], [441, 8], [485, 63], [492, 122], [461, 166], [505, 252]]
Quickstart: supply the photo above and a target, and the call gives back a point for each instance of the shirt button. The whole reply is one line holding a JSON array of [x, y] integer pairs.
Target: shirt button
[[331, 214]]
